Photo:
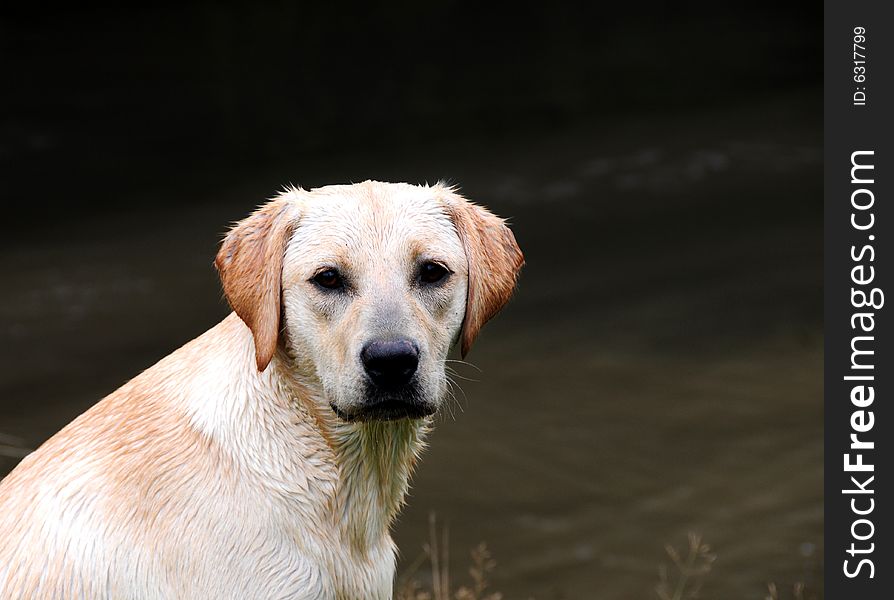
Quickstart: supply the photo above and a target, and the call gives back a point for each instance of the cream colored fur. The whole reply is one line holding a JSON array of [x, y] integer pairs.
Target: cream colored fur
[[223, 470]]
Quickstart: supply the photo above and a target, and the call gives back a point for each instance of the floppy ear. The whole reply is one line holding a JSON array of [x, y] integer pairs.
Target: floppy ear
[[494, 260], [250, 266]]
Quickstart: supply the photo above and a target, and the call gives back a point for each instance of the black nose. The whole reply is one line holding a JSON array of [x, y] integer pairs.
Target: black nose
[[390, 364]]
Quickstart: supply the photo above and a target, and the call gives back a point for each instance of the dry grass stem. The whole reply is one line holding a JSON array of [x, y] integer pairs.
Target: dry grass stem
[[684, 581], [437, 552]]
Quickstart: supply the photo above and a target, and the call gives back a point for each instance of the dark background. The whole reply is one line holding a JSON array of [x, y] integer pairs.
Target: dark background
[[97, 99], [659, 370]]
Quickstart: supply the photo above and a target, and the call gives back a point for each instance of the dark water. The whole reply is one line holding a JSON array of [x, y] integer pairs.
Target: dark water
[[657, 373]]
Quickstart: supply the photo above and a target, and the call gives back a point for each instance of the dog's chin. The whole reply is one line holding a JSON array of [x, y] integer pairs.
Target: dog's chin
[[379, 406]]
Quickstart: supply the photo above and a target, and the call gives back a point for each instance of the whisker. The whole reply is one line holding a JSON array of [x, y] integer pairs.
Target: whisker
[[463, 362], [455, 386], [451, 397], [453, 372]]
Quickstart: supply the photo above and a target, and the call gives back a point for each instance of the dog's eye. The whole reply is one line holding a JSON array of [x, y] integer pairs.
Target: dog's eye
[[431, 272], [329, 279]]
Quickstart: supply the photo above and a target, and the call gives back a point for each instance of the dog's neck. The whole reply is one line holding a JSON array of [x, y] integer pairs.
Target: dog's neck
[[374, 461]]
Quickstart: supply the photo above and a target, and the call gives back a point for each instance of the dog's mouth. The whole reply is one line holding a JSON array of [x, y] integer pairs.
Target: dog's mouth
[[386, 409]]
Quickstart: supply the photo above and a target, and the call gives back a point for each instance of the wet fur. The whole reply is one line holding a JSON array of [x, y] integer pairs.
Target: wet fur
[[222, 471]]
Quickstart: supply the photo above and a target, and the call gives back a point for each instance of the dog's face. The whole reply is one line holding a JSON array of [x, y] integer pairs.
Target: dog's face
[[374, 292], [366, 287]]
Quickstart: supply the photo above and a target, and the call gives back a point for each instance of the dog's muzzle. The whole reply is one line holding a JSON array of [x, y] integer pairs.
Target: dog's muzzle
[[392, 388]]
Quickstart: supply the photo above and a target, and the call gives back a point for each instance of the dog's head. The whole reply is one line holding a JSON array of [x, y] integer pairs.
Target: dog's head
[[366, 287]]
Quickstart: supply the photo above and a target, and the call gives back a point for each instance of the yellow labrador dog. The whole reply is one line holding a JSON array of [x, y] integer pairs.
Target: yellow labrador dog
[[268, 457]]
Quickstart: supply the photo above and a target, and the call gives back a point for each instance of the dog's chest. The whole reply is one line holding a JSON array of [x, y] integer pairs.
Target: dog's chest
[[331, 574], [284, 551], [279, 566], [370, 576]]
